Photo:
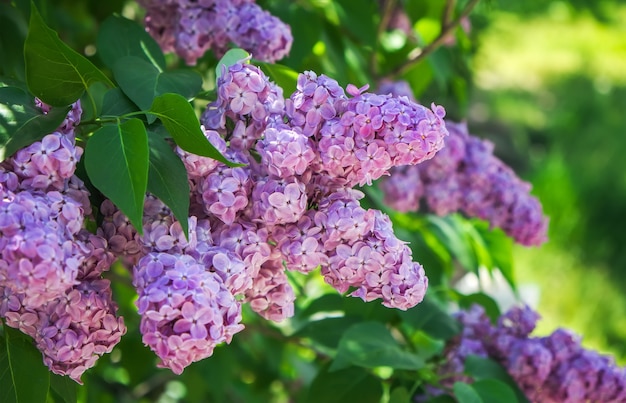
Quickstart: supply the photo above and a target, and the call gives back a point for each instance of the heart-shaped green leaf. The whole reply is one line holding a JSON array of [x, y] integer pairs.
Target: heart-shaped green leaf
[[55, 73], [119, 37], [142, 81]]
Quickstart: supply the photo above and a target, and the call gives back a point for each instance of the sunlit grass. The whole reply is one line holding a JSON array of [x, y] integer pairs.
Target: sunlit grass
[[528, 54]]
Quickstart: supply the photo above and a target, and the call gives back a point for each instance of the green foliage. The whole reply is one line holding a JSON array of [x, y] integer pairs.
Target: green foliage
[[164, 179], [123, 149], [143, 82], [55, 73], [347, 384], [370, 345], [23, 377], [21, 122]]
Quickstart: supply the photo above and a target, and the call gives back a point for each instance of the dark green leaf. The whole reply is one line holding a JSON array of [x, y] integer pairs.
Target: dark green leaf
[[116, 160], [481, 368], [400, 395], [360, 18], [119, 37], [494, 391], [142, 81], [231, 57], [430, 318], [325, 303], [21, 122], [55, 73], [64, 387], [34, 130], [347, 385], [180, 120], [13, 30], [283, 76], [115, 103], [23, 376], [369, 345], [167, 180], [465, 393], [327, 331], [96, 93]]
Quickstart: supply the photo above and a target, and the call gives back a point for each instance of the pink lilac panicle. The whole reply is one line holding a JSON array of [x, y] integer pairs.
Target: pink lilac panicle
[[555, 368], [465, 176], [186, 309], [191, 28]]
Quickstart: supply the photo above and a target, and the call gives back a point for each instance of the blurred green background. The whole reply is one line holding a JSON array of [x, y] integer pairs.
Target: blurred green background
[[550, 91]]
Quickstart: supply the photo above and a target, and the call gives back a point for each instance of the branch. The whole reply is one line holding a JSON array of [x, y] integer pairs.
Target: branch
[[418, 54], [388, 9]]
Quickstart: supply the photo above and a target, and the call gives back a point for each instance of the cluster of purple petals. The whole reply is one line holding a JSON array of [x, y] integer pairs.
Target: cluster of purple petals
[[283, 210], [304, 155], [465, 176], [552, 369], [50, 267], [190, 28]]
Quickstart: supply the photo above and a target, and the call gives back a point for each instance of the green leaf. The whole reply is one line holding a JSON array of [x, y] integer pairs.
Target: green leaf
[[23, 377], [430, 318], [465, 393], [231, 57], [141, 81], [64, 387], [481, 368], [96, 93], [347, 385], [400, 395], [13, 30], [283, 76], [325, 303], [116, 160], [119, 37], [454, 237], [360, 18], [369, 345], [179, 118], [115, 103], [22, 123], [167, 180], [494, 391], [55, 73], [327, 331]]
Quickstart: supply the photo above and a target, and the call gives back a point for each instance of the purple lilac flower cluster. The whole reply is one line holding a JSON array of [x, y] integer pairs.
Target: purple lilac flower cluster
[[50, 267], [310, 150], [465, 176], [190, 28], [285, 209], [551, 369]]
